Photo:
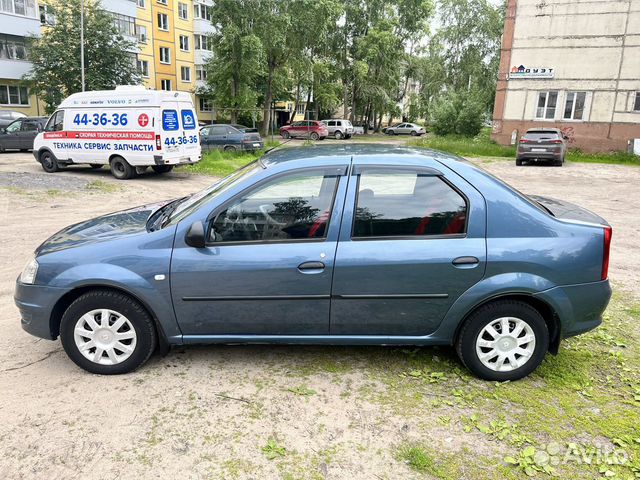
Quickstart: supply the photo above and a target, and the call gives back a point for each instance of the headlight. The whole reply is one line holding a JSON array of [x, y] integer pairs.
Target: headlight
[[28, 275]]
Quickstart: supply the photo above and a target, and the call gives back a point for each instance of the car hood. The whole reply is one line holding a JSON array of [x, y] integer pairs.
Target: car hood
[[100, 229], [568, 211]]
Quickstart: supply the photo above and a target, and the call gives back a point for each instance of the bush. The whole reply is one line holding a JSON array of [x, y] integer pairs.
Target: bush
[[458, 114]]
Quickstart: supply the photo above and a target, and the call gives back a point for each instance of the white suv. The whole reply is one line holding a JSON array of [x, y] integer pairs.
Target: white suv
[[339, 128]]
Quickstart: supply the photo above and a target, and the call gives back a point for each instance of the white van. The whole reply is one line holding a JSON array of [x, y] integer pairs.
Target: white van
[[129, 129]]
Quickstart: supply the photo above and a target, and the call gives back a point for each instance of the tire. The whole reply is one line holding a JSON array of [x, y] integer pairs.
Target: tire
[[499, 367], [518, 162], [314, 136], [390, 132], [138, 332], [285, 135], [338, 135], [229, 148], [558, 163], [414, 133], [49, 162], [121, 169], [162, 168], [95, 166]]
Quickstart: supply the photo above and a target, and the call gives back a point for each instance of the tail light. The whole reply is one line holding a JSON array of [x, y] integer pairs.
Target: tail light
[[605, 254], [524, 140], [557, 141], [158, 143]]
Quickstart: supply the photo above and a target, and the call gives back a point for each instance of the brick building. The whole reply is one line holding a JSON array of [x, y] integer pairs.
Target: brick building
[[574, 65]]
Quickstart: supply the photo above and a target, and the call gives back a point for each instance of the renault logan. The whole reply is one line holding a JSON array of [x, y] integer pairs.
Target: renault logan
[[356, 244]]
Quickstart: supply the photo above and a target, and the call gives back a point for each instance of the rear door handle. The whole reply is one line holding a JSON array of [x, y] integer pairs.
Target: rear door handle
[[465, 261], [311, 267]]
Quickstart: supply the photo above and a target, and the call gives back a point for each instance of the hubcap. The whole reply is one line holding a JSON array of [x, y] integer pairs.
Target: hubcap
[[505, 344], [105, 336]]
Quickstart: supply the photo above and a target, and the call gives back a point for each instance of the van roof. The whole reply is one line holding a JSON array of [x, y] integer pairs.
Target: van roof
[[123, 96]]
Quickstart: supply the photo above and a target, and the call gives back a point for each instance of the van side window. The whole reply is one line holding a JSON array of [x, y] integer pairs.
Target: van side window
[[56, 122]]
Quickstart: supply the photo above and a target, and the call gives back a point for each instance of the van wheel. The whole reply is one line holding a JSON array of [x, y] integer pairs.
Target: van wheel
[[95, 166], [107, 332], [121, 169], [503, 340], [162, 168], [49, 162]]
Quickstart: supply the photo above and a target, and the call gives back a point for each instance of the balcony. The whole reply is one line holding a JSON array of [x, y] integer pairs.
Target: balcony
[[14, 69], [19, 25]]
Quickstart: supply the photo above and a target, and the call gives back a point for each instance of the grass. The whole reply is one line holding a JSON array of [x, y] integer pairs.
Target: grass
[[482, 146], [418, 459]]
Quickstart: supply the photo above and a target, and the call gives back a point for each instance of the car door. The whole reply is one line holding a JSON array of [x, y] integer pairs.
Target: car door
[[12, 135], [268, 262], [28, 132], [218, 136], [412, 241], [205, 139]]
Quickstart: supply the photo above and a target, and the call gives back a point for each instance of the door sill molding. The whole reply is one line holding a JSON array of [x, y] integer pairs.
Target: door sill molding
[[316, 339]]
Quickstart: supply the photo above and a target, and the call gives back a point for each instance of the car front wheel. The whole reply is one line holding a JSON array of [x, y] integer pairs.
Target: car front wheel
[[49, 162], [107, 332], [285, 134], [503, 340]]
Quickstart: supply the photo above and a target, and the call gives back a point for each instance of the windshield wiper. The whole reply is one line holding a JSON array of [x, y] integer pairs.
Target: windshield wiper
[[162, 215]]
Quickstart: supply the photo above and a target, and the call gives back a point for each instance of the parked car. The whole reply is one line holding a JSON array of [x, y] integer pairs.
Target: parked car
[[19, 134], [361, 244], [305, 129], [405, 129], [8, 116], [339, 128], [545, 144], [230, 137]]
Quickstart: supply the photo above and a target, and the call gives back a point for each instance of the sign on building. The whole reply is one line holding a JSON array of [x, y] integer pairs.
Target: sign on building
[[533, 72]]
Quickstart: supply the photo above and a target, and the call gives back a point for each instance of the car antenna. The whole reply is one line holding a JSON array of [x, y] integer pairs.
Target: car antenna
[[278, 145]]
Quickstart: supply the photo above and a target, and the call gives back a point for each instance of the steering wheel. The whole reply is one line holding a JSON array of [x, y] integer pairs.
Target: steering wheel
[[264, 210]]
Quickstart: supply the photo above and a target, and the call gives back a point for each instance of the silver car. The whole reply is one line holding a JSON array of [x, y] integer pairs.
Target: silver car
[[406, 129], [339, 128]]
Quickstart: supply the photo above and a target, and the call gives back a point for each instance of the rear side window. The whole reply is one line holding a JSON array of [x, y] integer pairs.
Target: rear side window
[[407, 204]]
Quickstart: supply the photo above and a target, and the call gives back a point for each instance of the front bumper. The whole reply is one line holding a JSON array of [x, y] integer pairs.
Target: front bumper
[[36, 303]]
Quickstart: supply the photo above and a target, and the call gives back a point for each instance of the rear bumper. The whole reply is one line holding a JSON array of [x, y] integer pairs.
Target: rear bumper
[[539, 155], [35, 303], [252, 146], [184, 160], [579, 307]]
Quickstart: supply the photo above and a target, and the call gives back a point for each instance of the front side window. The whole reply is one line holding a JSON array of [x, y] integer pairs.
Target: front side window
[[56, 122], [546, 107], [14, 127], [574, 105], [292, 207], [401, 203]]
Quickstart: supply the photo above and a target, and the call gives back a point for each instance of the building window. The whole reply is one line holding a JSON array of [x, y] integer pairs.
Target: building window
[[205, 105], [201, 11], [165, 55], [636, 103], [163, 22], [300, 109], [185, 74], [26, 8], [141, 33], [163, 2], [165, 84], [140, 3], [12, 47], [547, 105], [47, 16], [143, 67], [184, 43], [202, 42], [126, 25], [201, 73], [13, 95], [574, 105], [183, 11]]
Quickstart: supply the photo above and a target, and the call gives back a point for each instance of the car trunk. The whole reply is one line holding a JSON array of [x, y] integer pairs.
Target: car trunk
[[540, 142], [567, 211]]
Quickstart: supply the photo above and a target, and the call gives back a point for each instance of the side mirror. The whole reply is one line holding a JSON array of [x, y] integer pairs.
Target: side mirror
[[195, 235]]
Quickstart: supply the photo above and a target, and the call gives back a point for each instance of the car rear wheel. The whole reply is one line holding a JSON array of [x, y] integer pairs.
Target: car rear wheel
[[338, 135], [503, 340], [121, 169], [107, 332], [314, 136], [162, 168], [285, 135], [49, 162], [518, 162], [558, 163], [229, 148]]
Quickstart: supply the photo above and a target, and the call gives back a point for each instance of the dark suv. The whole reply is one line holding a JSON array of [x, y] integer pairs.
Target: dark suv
[[19, 134], [546, 144]]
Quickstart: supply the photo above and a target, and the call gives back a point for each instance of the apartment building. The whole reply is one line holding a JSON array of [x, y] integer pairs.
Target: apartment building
[[18, 19], [574, 65]]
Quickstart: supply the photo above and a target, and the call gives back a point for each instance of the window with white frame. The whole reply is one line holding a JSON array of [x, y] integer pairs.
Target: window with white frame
[[14, 95], [300, 108], [202, 42], [140, 3], [141, 33], [165, 84], [47, 15], [165, 55], [546, 107], [163, 2], [201, 11], [574, 105], [184, 43], [205, 105], [26, 8], [183, 11], [125, 24], [185, 74], [163, 22], [636, 102], [201, 72], [143, 67]]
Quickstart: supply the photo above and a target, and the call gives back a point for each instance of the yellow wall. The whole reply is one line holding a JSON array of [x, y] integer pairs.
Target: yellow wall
[[143, 18], [35, 107]]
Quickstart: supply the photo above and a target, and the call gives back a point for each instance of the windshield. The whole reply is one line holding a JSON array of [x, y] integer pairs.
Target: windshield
[[191, 203]]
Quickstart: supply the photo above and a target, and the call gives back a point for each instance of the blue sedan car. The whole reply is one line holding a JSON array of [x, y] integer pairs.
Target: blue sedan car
[[354, 244]]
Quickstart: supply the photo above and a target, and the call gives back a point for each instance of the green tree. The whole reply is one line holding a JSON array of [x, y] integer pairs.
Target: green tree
[[55, 55]]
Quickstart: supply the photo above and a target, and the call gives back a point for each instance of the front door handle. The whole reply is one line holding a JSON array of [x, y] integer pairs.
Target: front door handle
[[311, 267], [468, 261]]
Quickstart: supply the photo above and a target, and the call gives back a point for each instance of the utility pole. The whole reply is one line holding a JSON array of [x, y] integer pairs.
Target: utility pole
[[82, 43]]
